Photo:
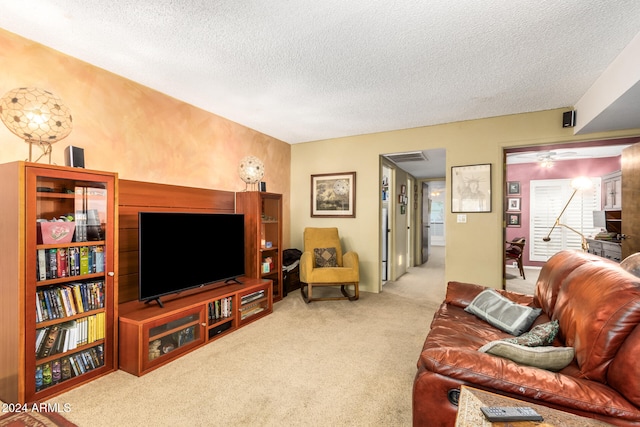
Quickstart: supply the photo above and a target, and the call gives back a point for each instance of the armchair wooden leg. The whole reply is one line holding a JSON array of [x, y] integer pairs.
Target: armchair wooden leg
[[304, 294], [356, 292]]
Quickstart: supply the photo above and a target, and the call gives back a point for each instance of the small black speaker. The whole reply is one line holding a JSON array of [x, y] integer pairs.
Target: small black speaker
[[74, 156], [569, 119], [263, 186]]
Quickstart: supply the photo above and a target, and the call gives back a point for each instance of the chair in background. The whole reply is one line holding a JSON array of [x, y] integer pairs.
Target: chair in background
[[323, 264], [514, 252]]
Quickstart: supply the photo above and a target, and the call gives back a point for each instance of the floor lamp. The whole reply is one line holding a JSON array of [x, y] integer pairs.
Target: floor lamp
[[577, 184]]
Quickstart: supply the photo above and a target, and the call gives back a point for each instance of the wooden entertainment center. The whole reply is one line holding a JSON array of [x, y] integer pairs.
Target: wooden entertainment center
[[151, 336], [64, 283]]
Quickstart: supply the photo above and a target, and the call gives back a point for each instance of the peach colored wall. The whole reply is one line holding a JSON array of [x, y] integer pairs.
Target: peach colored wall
[[135, 131]]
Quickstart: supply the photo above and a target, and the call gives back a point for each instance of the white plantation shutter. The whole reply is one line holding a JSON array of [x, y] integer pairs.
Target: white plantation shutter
[[547, 198]]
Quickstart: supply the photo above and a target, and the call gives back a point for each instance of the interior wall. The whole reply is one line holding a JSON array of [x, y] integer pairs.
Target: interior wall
[[475, 248], [139, 133]]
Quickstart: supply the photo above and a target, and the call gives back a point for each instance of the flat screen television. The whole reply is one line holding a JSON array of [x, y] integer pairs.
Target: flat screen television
[[183, 250]]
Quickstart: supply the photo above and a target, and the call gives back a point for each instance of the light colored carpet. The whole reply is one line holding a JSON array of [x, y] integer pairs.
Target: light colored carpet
[[516, 283], [328, 363]]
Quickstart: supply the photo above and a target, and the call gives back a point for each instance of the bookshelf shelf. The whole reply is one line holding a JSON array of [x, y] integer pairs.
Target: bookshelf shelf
[[57, 323], [152, 336]]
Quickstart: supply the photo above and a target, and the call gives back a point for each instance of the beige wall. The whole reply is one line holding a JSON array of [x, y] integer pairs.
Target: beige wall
[[135, 131], [473, 250]]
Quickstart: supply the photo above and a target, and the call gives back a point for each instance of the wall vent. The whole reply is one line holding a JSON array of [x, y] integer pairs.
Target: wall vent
[[416, 156]]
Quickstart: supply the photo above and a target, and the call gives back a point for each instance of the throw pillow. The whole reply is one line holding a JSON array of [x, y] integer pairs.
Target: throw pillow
[[543, 334], [545, 357], [325, 257], [503, 313]]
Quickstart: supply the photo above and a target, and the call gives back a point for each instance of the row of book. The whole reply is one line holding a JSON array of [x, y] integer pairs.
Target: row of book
[[56, 371], [221, 309], [252, 297], [64, 337], [58, 302], [66, 262]]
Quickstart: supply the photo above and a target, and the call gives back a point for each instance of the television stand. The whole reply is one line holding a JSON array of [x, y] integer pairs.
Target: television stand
[[152, 335], [233, 279]]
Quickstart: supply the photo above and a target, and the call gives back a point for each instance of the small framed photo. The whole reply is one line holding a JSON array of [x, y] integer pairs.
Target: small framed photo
[[471, 188], [513, 187], [513, 220], [403, 189], [513, 204], [333, 195]]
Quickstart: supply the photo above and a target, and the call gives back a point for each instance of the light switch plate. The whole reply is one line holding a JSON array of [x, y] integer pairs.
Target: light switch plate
[[462, 218]]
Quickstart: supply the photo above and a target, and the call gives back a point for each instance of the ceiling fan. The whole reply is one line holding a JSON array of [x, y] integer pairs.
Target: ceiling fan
[[547, 158]]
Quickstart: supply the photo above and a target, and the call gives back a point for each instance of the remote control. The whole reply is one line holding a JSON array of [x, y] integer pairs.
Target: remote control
[[510, 413]]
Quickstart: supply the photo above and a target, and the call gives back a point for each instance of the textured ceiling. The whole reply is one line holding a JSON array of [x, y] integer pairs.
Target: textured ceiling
[[309, 70]]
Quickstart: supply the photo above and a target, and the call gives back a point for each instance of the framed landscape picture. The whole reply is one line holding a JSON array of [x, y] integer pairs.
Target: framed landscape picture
[[333, 195]]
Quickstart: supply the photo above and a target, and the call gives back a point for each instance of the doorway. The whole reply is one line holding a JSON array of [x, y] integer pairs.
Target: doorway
[[405, 218]]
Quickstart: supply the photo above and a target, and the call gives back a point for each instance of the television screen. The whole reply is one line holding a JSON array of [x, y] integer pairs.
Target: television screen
[[179, 251]]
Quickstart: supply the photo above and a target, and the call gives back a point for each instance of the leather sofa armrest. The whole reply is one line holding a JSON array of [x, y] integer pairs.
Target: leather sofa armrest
[[461, 294]]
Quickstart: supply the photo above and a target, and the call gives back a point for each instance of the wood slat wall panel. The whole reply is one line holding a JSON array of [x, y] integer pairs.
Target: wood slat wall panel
[[138, 193], [138, 196]]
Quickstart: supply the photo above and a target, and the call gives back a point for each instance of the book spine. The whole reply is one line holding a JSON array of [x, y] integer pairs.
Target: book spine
[[53, 265], [42, 264], [61, 261], [84, 260]]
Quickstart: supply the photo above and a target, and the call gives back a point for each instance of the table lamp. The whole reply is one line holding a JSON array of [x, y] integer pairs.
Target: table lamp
[[37, 116]]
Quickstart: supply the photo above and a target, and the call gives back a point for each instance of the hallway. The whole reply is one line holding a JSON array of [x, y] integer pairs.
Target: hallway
[[429, 277]]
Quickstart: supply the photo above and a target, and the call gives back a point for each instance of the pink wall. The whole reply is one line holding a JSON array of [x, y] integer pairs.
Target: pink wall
[[527, 172]]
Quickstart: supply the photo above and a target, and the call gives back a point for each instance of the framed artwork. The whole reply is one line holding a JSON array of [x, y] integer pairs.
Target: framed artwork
[[333, 195], [513, 220], [513, 187], [471, 188], [513, 204]]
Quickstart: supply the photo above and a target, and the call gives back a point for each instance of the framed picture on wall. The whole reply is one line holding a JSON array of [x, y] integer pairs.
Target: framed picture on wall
[[513, 220], [513, 204], [471, 188], [513, 187], [333, 195]]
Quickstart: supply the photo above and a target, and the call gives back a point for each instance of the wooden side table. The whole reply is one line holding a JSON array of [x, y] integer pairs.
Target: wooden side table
[[470, 415]]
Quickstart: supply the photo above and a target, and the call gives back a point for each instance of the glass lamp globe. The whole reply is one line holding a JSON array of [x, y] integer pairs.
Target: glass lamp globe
[[632, 264], [37, 116], [251, 170]]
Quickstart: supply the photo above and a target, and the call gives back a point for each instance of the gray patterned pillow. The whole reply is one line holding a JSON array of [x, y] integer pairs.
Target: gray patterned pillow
[[325, 257], [543, 334], [503, 313]]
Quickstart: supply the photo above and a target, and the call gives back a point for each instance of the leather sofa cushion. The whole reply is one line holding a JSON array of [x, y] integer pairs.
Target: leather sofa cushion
[[598, 306], [554, 272], [554, 388], [624, 371]]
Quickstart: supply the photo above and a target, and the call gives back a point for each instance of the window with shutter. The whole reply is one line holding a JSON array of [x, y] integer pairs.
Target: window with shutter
[[547, 198]]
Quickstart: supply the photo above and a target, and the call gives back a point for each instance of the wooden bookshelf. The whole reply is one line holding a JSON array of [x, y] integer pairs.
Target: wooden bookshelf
[[44, 302], [263, 236]]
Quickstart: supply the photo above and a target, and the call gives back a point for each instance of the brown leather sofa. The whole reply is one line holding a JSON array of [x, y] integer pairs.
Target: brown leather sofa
[[597, 305]]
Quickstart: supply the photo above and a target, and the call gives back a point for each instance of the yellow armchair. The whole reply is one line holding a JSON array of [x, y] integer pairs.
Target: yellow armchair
[[323, 264]]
